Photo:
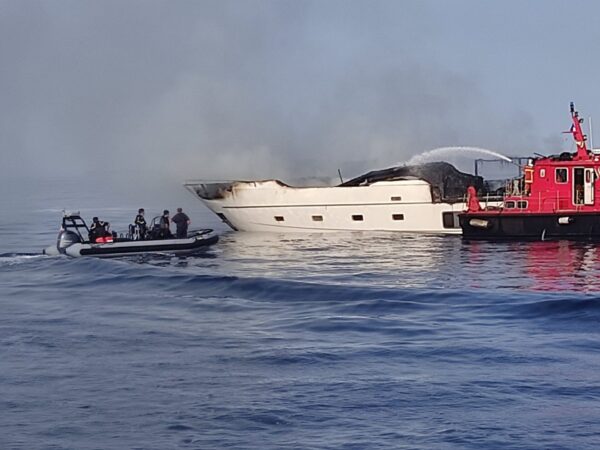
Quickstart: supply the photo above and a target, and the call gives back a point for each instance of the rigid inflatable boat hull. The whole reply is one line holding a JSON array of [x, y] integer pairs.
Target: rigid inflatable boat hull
[[114, 249]]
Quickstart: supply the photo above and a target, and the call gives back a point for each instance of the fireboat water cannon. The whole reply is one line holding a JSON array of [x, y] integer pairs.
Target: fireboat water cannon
[[560, 199]]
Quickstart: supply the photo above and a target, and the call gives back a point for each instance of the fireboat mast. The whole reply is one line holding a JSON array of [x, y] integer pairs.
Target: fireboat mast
[[578, 136]]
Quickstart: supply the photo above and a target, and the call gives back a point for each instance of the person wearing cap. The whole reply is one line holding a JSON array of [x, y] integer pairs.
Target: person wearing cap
[[140, 223], [182, 221], [98, 229], [165, 225]]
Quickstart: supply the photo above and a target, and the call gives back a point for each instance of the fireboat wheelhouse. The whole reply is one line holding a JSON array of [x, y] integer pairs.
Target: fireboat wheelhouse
[[557, 198]]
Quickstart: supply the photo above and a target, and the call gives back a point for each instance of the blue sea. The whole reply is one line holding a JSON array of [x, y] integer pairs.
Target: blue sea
[[275, 341]]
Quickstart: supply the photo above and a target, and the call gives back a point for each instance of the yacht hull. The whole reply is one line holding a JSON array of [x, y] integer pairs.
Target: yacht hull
[[400, 205]]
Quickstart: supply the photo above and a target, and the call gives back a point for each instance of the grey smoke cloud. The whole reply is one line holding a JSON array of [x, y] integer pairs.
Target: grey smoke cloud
[[240, 89]]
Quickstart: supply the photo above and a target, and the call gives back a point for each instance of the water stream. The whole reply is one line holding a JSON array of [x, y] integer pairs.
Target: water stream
[[439, 153]]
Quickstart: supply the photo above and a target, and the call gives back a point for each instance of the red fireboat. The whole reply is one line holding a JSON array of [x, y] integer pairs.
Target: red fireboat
[[554, 199]]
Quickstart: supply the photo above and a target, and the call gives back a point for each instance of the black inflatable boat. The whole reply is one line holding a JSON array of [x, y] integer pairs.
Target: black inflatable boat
[[73, 240]]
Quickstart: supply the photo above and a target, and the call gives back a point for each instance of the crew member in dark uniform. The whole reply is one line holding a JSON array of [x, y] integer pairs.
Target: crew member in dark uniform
[[98, 229], [181, 221], [141, 224], [165, 225]]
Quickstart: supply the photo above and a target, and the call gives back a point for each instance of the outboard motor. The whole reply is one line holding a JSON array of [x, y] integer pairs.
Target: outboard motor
[[71, 232], [66, 238]]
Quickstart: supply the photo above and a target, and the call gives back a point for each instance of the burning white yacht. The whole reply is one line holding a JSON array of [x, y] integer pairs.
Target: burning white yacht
[[424, 199]]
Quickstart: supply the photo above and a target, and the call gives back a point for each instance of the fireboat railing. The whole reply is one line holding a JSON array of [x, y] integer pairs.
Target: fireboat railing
[[544, 204], [488, 200]]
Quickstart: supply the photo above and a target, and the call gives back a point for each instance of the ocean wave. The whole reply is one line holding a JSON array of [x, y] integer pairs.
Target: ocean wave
[[112, 275], [564, 308], [344, 296]]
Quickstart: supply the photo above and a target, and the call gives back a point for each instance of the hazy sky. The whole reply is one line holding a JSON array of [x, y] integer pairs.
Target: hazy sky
[[228, 89]]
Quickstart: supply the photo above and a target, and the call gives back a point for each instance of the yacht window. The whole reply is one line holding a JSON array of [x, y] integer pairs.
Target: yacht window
[[509, 205], [317, 218], [357, 217], [561, 175], [398, 216], [450, 220], [396, 199], [279, 218], [522, 204]]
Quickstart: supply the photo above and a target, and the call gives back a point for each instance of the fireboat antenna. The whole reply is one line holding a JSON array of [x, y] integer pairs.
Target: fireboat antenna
[[591, 134]]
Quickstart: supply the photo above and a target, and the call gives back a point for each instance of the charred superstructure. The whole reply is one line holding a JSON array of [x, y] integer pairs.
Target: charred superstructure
[[448, 183]]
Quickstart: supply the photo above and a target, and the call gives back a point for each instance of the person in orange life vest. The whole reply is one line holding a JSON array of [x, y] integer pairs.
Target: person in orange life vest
[[98, 229], [528, 172]]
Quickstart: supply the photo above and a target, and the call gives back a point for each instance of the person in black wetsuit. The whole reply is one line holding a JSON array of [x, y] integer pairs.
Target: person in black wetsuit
[[98, 229], [141, 224], [165, 225], [182, 221]]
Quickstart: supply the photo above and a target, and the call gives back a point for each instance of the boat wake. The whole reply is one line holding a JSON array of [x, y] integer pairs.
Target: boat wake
[[12, 258], [20, 255], [437, 153]]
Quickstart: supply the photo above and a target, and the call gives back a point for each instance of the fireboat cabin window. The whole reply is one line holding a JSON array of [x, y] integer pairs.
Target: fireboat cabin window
[[561, 175], [509, 205], [522, 204], [279, 218], [357, 217]]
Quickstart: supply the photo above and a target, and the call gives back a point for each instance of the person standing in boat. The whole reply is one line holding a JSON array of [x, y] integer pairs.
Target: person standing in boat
[[165, 225], [140, 223], [98, 229], [182, 221]]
